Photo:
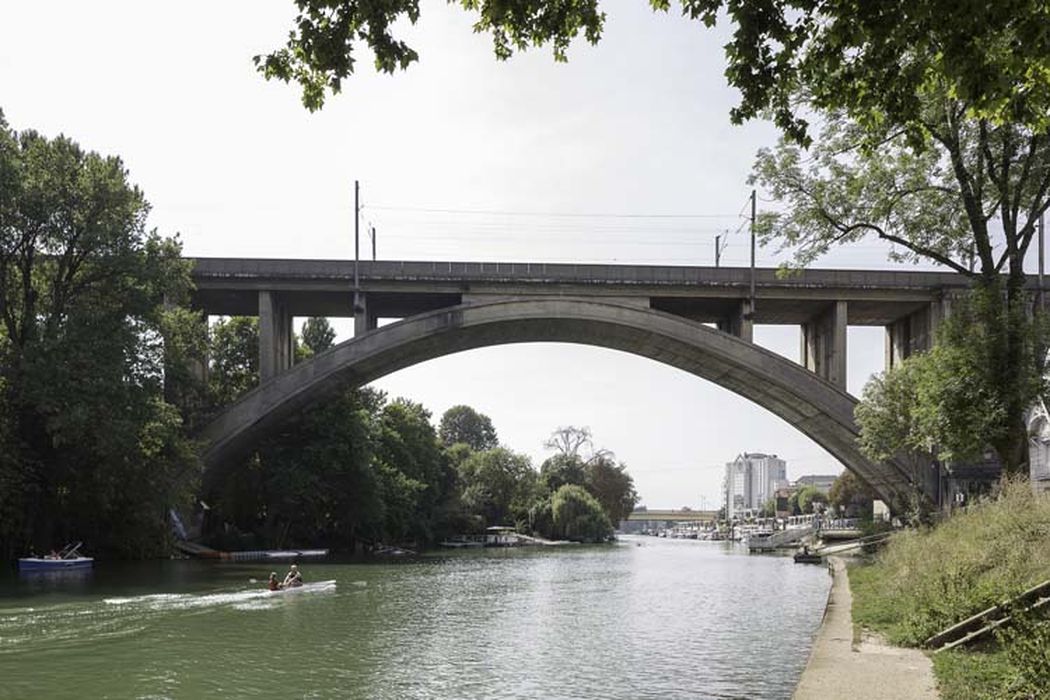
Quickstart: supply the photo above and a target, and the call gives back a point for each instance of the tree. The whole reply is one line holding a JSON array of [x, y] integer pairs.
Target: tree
[[559, 470], [851, 496], [498, 484], [808, 497], [234, 357], [317, 335], [943, 404], [91, 447], [769, 509], [946, 189], [578, 516], [311, 480], [787, 57], [412, 469], [612, 486], [464, 424], [568, 441]]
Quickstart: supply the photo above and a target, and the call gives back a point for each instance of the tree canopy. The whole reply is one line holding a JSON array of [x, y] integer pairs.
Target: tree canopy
[[464, 424], [879, 61], [92, 449], [317, 335]]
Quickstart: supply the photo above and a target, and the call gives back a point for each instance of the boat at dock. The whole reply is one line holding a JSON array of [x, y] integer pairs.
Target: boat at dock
[[808, 558]]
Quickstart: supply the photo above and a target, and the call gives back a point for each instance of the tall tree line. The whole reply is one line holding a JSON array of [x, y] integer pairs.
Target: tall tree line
[[90, 448]]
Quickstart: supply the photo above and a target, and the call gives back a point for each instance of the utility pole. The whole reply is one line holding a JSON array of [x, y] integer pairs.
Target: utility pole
[[718, 250], [357, 238], [751, 310], [1041, 244], [372, 235]]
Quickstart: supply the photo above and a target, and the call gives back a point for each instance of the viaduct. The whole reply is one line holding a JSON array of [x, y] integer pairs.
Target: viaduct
[[698, 319]]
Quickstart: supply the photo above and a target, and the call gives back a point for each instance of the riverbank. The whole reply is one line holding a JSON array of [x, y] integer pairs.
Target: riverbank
[[840, 667], [927, 580]]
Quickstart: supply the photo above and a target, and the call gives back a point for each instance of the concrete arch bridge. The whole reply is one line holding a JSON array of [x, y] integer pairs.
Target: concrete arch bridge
[[671, 329]]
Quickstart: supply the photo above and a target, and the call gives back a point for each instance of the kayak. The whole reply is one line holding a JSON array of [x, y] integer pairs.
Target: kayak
[[313, 586]]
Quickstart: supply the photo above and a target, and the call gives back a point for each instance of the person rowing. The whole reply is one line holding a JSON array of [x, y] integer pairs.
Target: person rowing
[[294, 579]]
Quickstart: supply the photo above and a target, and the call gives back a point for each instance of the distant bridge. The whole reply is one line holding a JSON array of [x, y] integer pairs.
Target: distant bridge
[[674, 516], [698, 319]]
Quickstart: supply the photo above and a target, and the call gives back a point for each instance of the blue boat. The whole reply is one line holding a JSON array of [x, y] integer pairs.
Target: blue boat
[[67, 559]]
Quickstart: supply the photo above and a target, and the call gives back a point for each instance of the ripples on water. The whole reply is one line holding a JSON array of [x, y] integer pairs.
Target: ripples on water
[[668, 619]]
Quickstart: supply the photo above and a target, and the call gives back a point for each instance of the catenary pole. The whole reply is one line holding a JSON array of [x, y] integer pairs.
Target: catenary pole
[[357, 235], [1042, 232], [751, 301]]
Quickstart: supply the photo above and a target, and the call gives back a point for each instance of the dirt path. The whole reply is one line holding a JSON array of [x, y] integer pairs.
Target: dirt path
[[839, 669]]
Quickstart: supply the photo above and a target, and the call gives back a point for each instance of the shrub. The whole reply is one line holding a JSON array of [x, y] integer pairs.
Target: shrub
[[926, 580]]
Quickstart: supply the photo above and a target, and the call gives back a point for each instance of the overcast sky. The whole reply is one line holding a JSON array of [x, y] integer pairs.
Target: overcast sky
[[637, 125]]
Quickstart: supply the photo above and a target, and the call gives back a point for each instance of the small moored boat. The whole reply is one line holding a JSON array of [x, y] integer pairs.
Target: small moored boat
[[68, 558], [807, 557]]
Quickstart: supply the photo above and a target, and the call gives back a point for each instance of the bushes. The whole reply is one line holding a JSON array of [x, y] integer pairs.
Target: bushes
[[928, 579]]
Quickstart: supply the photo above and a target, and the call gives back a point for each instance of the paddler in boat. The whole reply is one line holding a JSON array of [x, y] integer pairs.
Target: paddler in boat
[[293, 579], [274, 584]]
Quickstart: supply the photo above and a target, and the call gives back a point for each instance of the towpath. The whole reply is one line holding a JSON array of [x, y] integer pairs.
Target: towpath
[[838, 668]]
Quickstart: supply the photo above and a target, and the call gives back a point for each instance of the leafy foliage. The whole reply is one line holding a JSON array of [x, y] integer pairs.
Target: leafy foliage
[[317, 335], [612, 486], [1026, 641], [808, 497], [926, 580], [319, 54], [578, 516], [91, 448], [879, 62], [234, 359], [464, 424], [498, 484], [946, 401], [851, 495]]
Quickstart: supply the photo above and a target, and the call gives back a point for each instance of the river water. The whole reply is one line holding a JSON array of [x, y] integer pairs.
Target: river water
[[644, 618]]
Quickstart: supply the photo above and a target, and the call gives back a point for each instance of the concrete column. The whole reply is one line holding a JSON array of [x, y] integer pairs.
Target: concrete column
[[823, 344], [276, 339], [739, 323], [364, 320], [916, 332]]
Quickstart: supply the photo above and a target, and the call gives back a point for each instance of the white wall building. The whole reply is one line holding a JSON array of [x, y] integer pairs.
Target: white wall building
[[751, 480]]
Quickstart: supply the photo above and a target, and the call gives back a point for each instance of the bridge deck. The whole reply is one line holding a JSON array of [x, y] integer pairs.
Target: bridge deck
[[396, 289]]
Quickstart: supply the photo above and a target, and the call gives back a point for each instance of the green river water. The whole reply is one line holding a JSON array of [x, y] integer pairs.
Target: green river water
[[644, 618]]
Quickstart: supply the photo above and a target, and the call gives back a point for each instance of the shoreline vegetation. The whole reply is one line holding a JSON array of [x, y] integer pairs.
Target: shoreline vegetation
[[928, 579]]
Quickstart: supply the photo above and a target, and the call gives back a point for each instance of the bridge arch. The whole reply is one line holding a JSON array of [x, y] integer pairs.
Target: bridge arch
[[816, 407]]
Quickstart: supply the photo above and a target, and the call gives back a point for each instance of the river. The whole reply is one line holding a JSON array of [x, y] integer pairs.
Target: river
[[644, 618]]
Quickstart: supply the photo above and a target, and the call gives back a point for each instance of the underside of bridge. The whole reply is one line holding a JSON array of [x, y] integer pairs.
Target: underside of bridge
[[815, 406]]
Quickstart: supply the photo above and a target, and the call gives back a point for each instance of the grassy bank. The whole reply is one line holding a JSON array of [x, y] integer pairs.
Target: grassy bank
[[926, 580]]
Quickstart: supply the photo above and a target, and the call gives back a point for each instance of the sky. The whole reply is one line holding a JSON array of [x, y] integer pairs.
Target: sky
[[527, 160]]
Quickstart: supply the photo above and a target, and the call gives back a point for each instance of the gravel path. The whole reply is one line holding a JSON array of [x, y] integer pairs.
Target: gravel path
[[838, 668]]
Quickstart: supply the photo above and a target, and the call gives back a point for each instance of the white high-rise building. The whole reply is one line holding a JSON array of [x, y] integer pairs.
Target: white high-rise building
[[751, 480]]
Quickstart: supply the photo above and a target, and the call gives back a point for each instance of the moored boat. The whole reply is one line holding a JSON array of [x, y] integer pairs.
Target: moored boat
[[68, 558], [45, 564]]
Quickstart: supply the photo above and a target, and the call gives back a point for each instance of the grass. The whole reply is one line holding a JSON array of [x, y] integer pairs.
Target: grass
[[971, 675], [926, 580]]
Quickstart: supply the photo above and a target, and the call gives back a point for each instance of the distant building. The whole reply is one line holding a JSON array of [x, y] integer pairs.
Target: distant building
[[822, 482], [751, 480]]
